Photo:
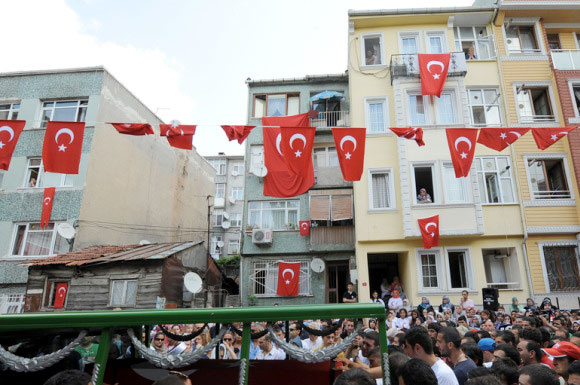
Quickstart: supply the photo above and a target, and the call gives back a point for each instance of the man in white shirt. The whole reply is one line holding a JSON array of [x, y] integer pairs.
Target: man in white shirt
[[418, 344], [268, 351]]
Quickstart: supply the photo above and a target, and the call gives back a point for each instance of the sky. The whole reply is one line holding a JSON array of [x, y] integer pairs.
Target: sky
[[188, 60]]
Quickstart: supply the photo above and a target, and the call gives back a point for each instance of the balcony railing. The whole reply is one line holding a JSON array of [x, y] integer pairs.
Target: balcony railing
[[537, 118], [331, 119], [407, 65], [566, 59], [555, 194], [332, 235]]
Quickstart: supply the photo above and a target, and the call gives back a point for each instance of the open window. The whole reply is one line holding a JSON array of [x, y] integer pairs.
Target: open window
[[458, 269], [50, 293], [276, 105], [373, 50], [424, 184], [534, 105], [521, 39], [576, 99], [475, 43], [501, 268], [548, 178]]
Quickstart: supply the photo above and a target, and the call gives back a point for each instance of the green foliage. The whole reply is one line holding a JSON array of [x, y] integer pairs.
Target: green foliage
[[232, 261]]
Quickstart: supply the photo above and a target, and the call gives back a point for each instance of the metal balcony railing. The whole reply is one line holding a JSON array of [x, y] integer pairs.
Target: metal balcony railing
[[554, 194], [131, 321], [407, 65], [537, 118], [566, 59], [331, 119]]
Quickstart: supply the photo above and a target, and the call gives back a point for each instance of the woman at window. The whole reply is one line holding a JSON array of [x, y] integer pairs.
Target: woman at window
[[403, 320], [423, 197], [375, 298]]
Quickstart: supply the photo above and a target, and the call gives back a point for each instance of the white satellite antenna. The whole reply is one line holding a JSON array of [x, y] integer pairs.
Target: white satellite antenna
[[226, 215], [66, 230], [317, 265], [144, 242], [260, 171], [225, 225], [220, 244], [192, 282]]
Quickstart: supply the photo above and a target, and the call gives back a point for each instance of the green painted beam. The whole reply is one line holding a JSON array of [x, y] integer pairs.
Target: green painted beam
[[121, 318]]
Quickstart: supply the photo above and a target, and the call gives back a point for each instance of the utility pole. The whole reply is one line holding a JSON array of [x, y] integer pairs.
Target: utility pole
[[208, 248]]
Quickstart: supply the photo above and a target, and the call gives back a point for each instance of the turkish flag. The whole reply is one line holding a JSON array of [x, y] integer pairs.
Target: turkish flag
[[411, 133], [63, 146], [46, 206], [546, 136], [178, 135], [350, 148], [60, 295], [304, 228], [288, 278], [462, 147], [10, 131], [136, 129], [300, 120], [296, 145], [433, 68], [498, 138], [429, 231], [239, 133]]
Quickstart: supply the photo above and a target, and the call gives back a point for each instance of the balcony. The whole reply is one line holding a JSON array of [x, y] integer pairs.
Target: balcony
[[566, 59], [407, 65], [333, 235], [331, 119]]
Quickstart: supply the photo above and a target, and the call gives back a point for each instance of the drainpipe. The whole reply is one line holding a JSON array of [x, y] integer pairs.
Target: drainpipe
[[515, 168]]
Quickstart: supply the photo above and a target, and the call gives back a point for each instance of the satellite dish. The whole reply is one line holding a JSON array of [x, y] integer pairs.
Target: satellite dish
[[66, 231], [192, 282], [317, 265], [220, 244], [144, 242], [226, 225], [226, 215], [261, 171]]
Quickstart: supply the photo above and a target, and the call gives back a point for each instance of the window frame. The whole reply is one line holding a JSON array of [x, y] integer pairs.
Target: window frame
[[217, 216], [443, 269], [375, 35], [468, 263], [549, 93], [214, 248], [41, 174], [220, 191], [485, 105], [240, 192], [435, 198], [459, 40], [511, 268], [385, 102], [217, 164], [233, 241], [48, 303], [286, 212], [237, 168], [78, 108], [125, 287], [541, 246], [16, 225], [483, 193], [253, 164], [438, 251], [536, 30], [391, 189], [436, 33], [564, 159], [407, 34], [271, 267], [287, 95], [235, 222], [574, 83], [431, 108], [465, 181], [11, 110], [326, 151]]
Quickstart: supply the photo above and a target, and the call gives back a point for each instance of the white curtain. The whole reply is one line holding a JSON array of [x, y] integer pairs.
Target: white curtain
[[380, 190]]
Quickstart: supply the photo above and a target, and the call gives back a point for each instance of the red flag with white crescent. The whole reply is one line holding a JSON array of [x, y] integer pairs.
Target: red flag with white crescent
[[462, 147], [411, 133], [136, 129], [63, 146], [60, 295], [296, 144], [350, 148], [239, 133], [304, 228], [10, 131], [546, 136], [178, 135], [429, 231], [288, 278], [46, 206], [498, 138], [433, 68]]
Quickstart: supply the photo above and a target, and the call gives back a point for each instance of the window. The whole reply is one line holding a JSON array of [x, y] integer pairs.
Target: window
[[36, 177], [372, 50], [236, 220], [521, 39], [64, 111], [220, 190], [494, 176], [331, 207], [409, 43], [275, 215], [429, 270], [50, 292], [218, 217], [456, 189], [548, 179], [234, 246], [436, 42], [9, 111], [238, 168], [562, 267], [452, 273], [423, 177], [219, 165], [381, 188], [457, 269], [423, 112], [276, 105], [554, 41], [501, 268], [576, 99], [31, 240], [12, 303], [123, 292], [264, 278], [474, 42], [238, 193], [325, 157], [377, 117], [484, 107], [256, 157], [534, 105], [215, 247]]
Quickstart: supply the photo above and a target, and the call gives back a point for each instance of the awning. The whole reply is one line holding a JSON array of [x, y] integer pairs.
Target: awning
[[326, 95]]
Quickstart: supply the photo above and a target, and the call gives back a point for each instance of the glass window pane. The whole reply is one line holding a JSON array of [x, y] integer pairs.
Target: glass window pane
[[466, 33], [492, 115], [507, 190], [61, 245], [117, 293], [332, 157], [479, 115], [492, 187], [293, 203], [65, 114], [502, 164], [484, 49], [417, 110], [67, 104], [436, 44], [277, 105], [475, 97], [376, 117], [525, 105], [293, 105], [445, 108], [491, 96], [38, 243], [409, 45], [131, 295], [372, 51]]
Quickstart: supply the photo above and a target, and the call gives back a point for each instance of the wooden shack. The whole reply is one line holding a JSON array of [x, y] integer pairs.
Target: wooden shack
[[110, 277]]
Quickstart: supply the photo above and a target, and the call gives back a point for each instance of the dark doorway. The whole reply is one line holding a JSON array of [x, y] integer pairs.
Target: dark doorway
[[337, 275], [382, 266]]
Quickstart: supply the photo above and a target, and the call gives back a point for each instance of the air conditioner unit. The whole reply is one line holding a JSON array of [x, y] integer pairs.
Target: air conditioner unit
[[261, 236]]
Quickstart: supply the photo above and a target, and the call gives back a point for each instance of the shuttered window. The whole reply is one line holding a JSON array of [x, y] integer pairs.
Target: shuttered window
[[330, 205]]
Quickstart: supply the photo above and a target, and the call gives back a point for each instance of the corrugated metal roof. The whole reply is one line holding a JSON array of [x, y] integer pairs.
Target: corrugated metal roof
[[108, 254]]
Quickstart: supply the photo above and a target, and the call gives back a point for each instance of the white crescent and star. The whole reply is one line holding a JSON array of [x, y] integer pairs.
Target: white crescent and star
[[66, 131], [278, 140], [9, 130], [45, 200], [291, 142], [429, 225], [516, 134], [284, 275], [304, 225], [462, 139], [437, 63], [348, 138], [63, 291]]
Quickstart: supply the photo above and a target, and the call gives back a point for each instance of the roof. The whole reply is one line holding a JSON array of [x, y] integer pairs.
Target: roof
[[54, 71], [308, 78], [108, 254]]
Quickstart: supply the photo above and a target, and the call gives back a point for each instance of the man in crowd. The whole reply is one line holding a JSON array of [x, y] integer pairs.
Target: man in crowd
[[349, 295], [268, 351], [449, 343], [538, 375], [563, 354], [295, 331], [487, 346]]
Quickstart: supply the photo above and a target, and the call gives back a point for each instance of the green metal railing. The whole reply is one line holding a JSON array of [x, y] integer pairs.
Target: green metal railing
[[104, 321]]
